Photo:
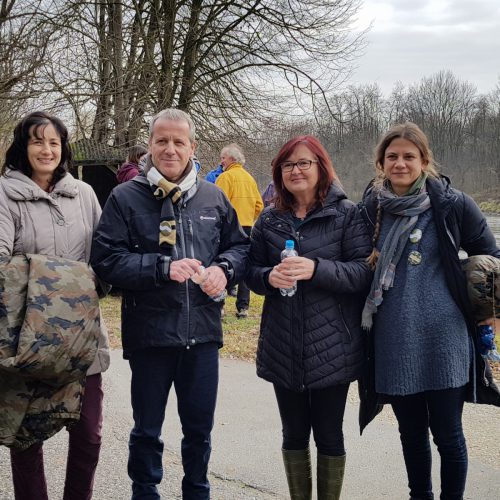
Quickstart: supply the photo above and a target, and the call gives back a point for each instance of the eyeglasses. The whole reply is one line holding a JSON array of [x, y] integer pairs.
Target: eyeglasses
[[288, 166]]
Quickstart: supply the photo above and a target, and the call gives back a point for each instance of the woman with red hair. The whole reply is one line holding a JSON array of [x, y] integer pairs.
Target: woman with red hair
[[310, 346]]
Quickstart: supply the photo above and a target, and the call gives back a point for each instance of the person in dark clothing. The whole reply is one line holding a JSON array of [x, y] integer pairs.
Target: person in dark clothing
[[155, 233], [131, 167], [418, 314], [269, 194], [310, 346]]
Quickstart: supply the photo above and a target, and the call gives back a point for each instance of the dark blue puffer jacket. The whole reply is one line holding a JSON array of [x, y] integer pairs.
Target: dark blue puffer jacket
[[313, 339]]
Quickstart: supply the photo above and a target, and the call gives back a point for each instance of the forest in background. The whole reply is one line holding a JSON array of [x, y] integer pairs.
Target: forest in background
[[252, 71]]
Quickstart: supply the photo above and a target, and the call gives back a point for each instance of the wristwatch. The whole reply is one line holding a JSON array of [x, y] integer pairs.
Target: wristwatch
[[165, 266]]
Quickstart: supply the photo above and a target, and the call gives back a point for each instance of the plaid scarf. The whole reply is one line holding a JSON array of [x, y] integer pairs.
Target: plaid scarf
[[170, 193], [407, 208]]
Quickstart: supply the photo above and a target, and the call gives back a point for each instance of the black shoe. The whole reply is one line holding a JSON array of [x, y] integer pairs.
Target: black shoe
[[242, 313]]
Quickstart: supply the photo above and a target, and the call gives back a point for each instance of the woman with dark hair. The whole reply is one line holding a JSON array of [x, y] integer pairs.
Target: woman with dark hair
[[44, 210], [418, 312], [131, 167], [310, 346]]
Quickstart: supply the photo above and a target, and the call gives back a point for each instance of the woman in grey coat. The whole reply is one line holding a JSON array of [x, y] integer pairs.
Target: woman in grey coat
[[44, 210]]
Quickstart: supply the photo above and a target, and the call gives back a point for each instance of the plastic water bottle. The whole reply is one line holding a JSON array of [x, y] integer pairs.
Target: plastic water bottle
[[199, 278], [289, 251]]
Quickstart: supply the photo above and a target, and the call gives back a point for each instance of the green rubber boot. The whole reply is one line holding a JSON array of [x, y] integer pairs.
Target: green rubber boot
[[298, 473], [330, 476]]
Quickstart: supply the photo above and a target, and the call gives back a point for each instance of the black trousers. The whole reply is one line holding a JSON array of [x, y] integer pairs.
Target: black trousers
[[441, 412], [243, 296], [321, 410]]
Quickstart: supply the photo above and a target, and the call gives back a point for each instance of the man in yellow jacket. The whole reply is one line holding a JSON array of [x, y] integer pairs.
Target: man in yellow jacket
[[242, 191]]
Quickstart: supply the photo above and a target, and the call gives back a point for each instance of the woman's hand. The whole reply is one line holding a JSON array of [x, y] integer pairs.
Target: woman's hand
[[290, 270], [280, 280]]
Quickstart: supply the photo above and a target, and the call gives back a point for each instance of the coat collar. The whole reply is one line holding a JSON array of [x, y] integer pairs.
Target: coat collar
[[20, 187], [233, 165], [335, 194]]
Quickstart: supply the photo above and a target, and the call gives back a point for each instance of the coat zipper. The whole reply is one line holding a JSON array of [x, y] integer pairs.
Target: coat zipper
[[343, 321], [186, 283]]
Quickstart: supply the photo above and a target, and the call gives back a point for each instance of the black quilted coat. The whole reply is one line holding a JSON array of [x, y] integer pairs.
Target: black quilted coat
[[313, 339]]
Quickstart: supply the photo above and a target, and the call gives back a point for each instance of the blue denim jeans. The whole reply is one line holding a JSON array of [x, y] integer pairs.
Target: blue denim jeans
[[441, 412], [195, 375]]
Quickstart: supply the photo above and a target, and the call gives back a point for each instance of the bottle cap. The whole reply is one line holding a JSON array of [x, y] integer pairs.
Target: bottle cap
[[289, 244]]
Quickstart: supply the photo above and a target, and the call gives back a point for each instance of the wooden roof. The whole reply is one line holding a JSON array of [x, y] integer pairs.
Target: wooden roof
[[91, 152]]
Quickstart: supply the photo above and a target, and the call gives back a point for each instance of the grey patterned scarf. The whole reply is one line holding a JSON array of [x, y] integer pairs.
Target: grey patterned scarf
[[408, 209]]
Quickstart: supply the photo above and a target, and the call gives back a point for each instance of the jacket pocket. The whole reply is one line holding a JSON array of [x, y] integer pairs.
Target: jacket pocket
[[348, 337]]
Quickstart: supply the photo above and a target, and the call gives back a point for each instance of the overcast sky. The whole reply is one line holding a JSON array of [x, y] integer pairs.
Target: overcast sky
[[412, 39]]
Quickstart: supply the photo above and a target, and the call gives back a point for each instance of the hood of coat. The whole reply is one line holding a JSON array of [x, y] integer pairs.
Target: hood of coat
[[20, 187], [335, 194], [125, 170]]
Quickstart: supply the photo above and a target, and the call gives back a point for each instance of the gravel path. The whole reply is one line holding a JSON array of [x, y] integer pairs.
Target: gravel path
[[246, 458]]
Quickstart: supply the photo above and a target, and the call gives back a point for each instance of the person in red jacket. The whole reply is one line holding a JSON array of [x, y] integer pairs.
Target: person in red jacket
[[131, 167]]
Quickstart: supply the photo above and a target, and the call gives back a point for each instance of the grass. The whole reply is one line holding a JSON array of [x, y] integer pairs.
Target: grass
[[490, 207], [110, 308], [240, 335]]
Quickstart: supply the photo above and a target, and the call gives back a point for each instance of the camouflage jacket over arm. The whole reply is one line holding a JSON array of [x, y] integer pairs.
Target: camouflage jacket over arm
[[49, 333]]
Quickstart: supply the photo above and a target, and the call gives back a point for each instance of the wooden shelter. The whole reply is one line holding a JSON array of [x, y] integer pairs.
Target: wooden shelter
[[97, 164]]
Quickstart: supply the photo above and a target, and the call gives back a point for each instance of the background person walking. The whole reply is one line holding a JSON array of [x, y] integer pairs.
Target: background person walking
[[131, 167], [242, 191]]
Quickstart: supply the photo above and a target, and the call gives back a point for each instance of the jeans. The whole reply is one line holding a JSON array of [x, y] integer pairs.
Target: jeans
[[194, 372], [441, 411], [83, 453], [321, 410]]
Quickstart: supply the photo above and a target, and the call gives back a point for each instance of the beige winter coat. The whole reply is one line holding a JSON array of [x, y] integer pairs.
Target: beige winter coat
[[60, 223]]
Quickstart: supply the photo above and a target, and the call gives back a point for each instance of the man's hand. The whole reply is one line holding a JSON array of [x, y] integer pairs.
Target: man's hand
[[214, 282], [182, 270]]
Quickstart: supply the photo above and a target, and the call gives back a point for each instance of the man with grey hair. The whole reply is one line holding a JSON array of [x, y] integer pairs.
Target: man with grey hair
[[242, 191], [156, 232]]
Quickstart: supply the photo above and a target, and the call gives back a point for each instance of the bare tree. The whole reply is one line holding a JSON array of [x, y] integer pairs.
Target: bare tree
[[225, 61], [23, 43]]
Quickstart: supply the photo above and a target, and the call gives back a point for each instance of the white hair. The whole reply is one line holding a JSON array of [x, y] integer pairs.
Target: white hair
[[235, 152], [175, 115]]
